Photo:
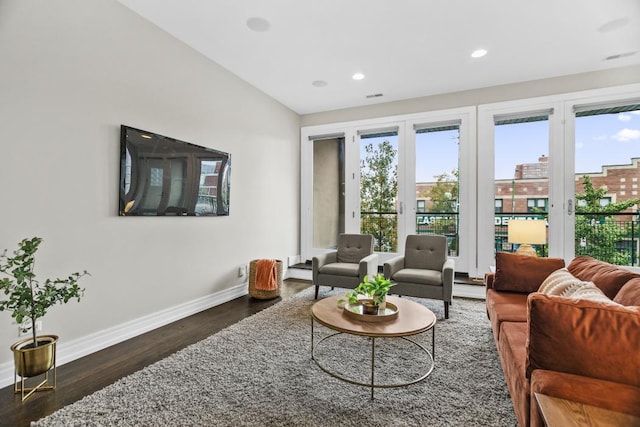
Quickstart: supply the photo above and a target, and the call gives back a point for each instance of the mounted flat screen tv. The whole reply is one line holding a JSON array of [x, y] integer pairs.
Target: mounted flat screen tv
[[161, 176]]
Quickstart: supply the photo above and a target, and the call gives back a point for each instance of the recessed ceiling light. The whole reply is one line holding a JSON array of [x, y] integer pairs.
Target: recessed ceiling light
[[358, 76], [258, 24], [478, 53], [319, 83]]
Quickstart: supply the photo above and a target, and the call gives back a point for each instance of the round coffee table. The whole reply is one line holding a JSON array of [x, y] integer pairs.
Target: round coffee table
[[412, 319]]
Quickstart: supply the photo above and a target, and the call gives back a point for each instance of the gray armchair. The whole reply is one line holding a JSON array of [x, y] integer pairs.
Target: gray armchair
[[425, 270], [346, 266]]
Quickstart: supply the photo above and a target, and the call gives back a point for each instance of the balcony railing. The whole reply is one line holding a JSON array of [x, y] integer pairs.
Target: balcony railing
[[445, 223], [384, 228], [613, 238], [609, 237]]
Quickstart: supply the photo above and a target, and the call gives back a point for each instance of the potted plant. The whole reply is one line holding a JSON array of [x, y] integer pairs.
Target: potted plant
[[374, 290], [27, 298]]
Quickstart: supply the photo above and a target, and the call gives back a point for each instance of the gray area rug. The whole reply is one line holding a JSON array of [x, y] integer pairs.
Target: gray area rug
[[259, 372]]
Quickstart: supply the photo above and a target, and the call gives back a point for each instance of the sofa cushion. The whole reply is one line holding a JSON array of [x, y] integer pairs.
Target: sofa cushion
[[520, 273], [340, 269], [512, 350], [564, 284], [584, 337], [608, 277], [589, 291], [505, 307], [417, 275], [560, 282], [629, 294], [497, 297]]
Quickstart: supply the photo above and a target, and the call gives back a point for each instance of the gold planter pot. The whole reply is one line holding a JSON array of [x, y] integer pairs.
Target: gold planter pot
[[33, 361]]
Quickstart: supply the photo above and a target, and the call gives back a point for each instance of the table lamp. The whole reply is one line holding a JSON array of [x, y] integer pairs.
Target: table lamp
[[527, 232]]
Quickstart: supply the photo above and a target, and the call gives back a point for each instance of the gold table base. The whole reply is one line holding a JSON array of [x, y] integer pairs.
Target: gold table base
[[430, 359]]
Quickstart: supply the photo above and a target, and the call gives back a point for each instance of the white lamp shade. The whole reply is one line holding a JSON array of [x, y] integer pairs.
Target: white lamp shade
[[527, 231]]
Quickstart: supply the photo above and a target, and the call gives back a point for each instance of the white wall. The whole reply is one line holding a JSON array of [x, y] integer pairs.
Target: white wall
[[72, 71], [508, 92]]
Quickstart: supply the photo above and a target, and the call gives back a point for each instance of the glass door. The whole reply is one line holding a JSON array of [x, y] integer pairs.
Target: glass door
[[605, 186], [379, 204], [437, 182], [521, 175], [519, 178]]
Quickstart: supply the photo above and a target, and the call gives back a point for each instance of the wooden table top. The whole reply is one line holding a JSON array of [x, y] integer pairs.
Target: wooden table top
[[558, 412], [413, 318]]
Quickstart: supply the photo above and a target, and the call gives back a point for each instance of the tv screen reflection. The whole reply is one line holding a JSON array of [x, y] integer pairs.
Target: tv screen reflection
[[161, 176]]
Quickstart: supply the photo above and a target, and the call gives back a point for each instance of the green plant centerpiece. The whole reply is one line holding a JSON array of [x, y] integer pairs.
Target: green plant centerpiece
[[28, 298], [374, 290]]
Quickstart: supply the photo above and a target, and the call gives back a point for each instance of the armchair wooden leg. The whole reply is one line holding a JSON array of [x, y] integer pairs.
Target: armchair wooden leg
[[317, 289], [446, 310]]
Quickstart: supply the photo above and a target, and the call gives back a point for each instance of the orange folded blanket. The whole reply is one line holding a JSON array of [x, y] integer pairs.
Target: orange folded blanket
[[266, 275]]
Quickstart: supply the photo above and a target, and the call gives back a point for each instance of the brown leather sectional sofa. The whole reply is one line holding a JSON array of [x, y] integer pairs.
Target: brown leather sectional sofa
[[577, 349]]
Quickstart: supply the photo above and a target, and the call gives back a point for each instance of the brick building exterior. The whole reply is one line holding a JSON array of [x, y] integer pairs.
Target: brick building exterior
[[528, 191]]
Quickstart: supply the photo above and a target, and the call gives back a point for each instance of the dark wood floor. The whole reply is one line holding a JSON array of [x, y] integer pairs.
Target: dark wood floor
[[91, 373]]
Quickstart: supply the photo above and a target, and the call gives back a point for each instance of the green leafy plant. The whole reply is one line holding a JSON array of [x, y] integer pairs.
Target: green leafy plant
[[378, 190], [375, 289], [24, 295], [597, 231]]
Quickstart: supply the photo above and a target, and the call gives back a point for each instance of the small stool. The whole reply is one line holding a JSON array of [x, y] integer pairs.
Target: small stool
[[259, 293]]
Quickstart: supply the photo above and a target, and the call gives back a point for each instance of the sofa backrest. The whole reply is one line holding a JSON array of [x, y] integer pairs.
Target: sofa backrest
[[353, 247], [608, 277], [428, 251], [521, 273], [629, 294], [583, 337]]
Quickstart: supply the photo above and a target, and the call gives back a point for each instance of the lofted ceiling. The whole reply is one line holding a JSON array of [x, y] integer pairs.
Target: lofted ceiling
[[304, 53]]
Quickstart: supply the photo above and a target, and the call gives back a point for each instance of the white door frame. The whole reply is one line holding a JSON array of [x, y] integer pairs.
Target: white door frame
[[466, 116], [625, 95]]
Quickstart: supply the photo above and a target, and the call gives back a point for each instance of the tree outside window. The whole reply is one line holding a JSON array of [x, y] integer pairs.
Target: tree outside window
[[378, 189], [598, 234]]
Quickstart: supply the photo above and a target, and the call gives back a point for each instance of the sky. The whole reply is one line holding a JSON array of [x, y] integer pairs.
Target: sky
[[606, 139]]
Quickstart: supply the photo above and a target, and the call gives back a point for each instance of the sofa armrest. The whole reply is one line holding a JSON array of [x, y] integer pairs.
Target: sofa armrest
[[591, 391], [447, 271], [392, 266], [368, 266], [447, 277], [320, 260], [582, 337], [489, 279]]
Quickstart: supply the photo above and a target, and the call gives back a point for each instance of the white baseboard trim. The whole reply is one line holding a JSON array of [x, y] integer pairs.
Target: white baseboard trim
[[298, 273], [459, 289], [469, 291], [83, 346], [293, 260]]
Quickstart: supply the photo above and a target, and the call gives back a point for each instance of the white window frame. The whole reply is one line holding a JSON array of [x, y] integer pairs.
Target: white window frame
[[476, 159], [561, 160]]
